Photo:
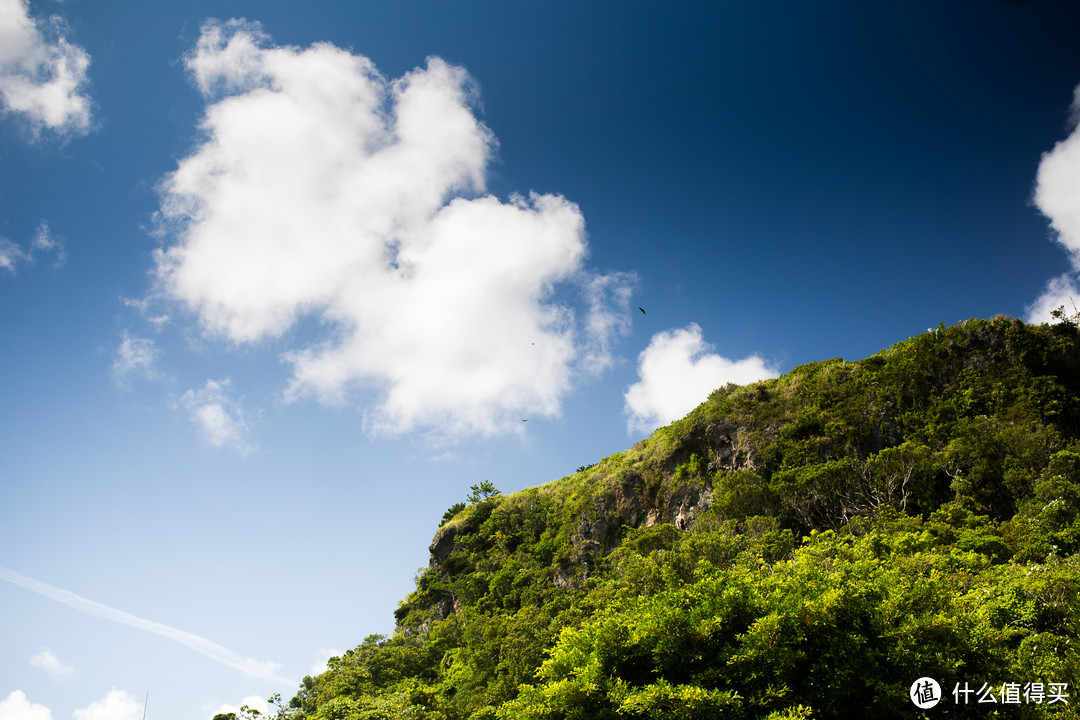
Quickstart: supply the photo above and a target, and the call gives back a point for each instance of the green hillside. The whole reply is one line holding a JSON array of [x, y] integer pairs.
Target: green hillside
[[807, 546]]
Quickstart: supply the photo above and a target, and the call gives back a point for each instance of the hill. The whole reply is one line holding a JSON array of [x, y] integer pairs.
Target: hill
[[801, 547]]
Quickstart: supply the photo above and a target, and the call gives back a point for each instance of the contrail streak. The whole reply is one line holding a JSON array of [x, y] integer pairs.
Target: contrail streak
[[252, 668]]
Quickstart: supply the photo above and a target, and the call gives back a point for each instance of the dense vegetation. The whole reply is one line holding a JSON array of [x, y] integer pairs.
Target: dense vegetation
[[802, 547]]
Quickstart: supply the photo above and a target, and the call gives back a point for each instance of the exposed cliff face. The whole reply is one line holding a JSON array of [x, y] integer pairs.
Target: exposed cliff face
[[440, 549], [632, 504], [628, 499], [673, 489], [442, 545]]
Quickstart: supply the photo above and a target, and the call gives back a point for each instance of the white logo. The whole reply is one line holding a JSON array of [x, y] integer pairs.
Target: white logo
[[925, 693]]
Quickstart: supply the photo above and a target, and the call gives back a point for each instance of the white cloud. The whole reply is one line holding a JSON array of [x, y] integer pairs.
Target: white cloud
[[220, 418], [135, 357], [51, 664], [1060, 291], [42, 75], [1056, 195], [146, 307], [253, 702], [678, 372], [17, 707], [1056, 188], [45, 241], [116, 705], [608, 316], [323, 190], [12, 255], [267, 671]]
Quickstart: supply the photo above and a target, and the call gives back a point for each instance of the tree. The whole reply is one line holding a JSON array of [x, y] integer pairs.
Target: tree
[[1062, 316], [483, 491], [451, 512]]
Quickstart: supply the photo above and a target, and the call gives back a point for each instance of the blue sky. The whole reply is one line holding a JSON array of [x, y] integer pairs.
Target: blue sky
[[279, 282]]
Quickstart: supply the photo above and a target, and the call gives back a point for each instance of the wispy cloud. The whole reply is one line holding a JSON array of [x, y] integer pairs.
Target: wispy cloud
[[1056, 196], [13, 255], [42, 75], [608, 317], [51, 664], [48, 242], [16, 706], [148, 312], [135, 357], [324, 190], [220, 418], [252, 668], [678, 371]]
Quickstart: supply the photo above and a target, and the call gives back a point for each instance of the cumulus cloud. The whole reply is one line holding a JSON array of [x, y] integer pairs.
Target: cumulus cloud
[[135, 357], [16, 706], [1062, 290], [42, 74], [116, 705], [220, 418], [678, 371], [1057, 197], [51, 664], [322, 190]]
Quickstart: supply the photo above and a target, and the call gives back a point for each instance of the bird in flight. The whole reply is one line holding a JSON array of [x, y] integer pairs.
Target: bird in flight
[[524, 420], [641, 309]]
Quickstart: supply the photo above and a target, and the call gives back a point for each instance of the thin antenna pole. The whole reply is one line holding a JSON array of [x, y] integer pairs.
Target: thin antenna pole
[[145, 702]]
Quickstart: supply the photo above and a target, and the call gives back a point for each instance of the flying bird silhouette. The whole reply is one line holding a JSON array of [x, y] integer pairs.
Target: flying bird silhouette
[[641, 309]]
